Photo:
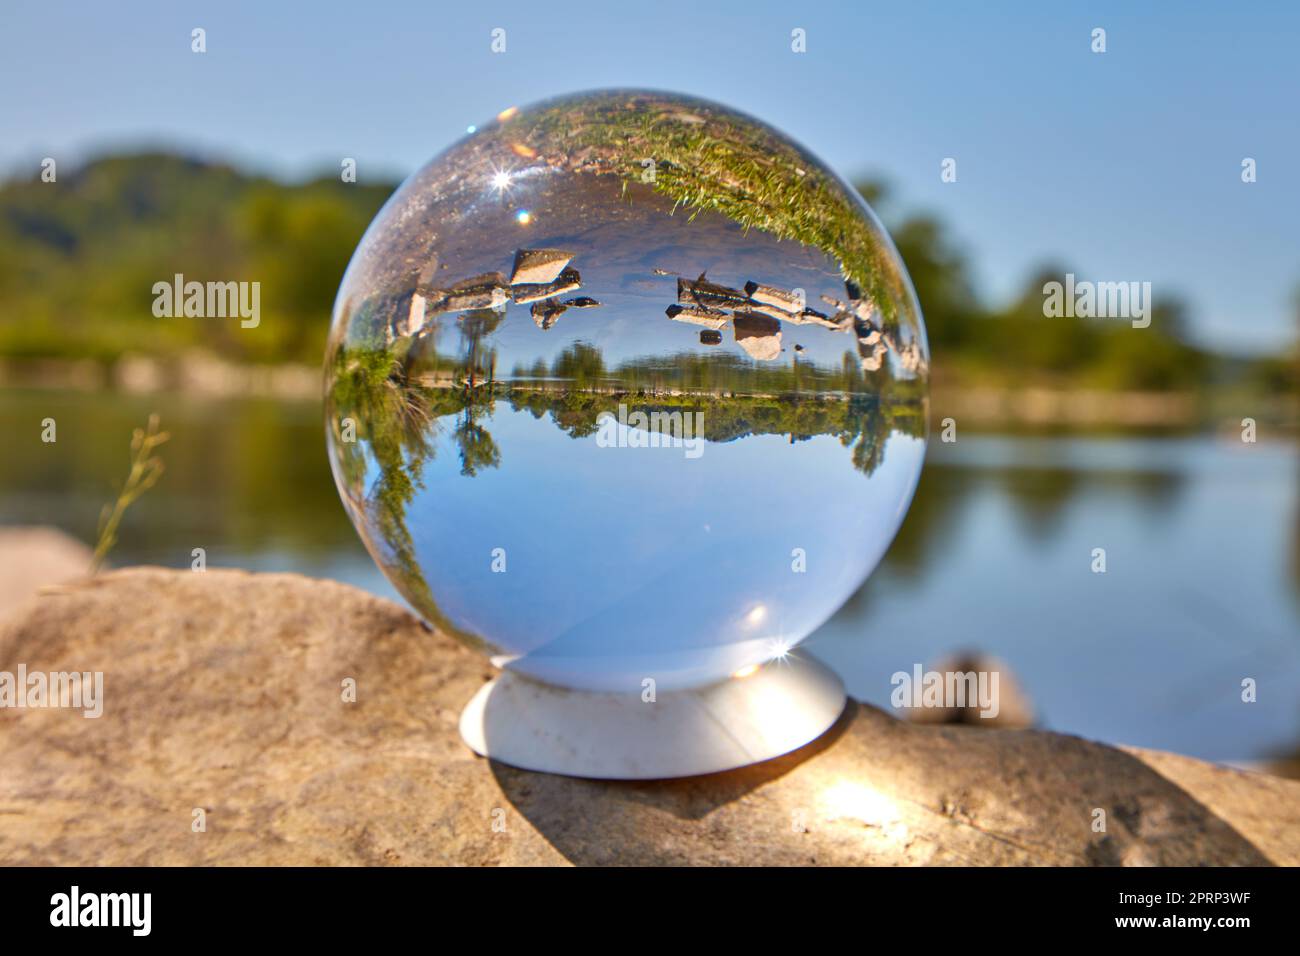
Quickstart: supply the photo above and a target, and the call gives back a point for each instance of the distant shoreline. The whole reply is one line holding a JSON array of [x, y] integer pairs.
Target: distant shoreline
[[982, 407], [193, 373]]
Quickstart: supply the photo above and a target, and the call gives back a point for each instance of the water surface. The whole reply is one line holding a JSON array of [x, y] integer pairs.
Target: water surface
[[1202, 540]]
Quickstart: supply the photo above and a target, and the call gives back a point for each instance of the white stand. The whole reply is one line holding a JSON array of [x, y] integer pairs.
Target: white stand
[[742, 720]]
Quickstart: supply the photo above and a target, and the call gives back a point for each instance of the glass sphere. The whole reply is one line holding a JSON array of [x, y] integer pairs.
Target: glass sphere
[[626, 386]]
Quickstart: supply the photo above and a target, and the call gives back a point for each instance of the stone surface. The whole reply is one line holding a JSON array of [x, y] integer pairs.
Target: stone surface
[[539, 266], [783, 299], [697, 315], [569, 280], [35, 557], [547, 313], [223, 691], [759, 335]]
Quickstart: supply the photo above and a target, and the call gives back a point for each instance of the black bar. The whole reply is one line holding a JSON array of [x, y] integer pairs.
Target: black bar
[[215, 905]]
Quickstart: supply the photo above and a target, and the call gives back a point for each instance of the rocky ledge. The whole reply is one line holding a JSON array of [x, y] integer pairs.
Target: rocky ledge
[[228, 737]]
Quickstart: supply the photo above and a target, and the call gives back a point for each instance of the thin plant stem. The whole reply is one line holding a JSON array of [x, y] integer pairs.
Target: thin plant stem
[[146, 468]]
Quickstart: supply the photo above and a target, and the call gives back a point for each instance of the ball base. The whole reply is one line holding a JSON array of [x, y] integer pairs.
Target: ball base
[[739, 721]]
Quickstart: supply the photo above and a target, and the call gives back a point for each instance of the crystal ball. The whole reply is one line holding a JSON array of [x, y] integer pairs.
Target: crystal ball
[[626, 387]]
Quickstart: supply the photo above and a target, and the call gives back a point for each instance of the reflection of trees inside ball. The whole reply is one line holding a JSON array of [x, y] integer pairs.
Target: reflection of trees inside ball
[[645, 392]]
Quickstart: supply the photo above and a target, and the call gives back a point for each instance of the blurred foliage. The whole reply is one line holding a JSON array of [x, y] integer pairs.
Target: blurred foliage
[[1016, 345], [81, 256], [78, 261]]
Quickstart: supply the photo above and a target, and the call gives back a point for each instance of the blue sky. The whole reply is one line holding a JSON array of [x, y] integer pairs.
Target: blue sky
[[1120, 166]]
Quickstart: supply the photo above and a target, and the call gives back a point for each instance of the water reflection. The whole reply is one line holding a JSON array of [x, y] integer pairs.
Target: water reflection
[[394, 414], [1202, 538]]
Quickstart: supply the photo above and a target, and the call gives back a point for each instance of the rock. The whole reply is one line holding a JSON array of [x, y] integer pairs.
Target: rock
[[1012, 706], [787, 306], [839, 322], [223, 691], [808, 316], [568, 281], [697, 315], [759, 335], [909, 356], [546, 314], [486, 291], [871, 348], [32, 558], [771, 311], [708, 295], [782, 299], [413, 321], [539, 266]]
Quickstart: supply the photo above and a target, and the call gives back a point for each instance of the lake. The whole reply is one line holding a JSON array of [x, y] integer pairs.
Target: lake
[[1201, 534]]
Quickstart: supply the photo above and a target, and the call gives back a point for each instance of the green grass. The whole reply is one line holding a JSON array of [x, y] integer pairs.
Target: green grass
[[726, 164]]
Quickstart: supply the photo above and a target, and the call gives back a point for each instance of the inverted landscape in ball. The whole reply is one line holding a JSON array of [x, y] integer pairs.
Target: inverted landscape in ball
[[627, 390]]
